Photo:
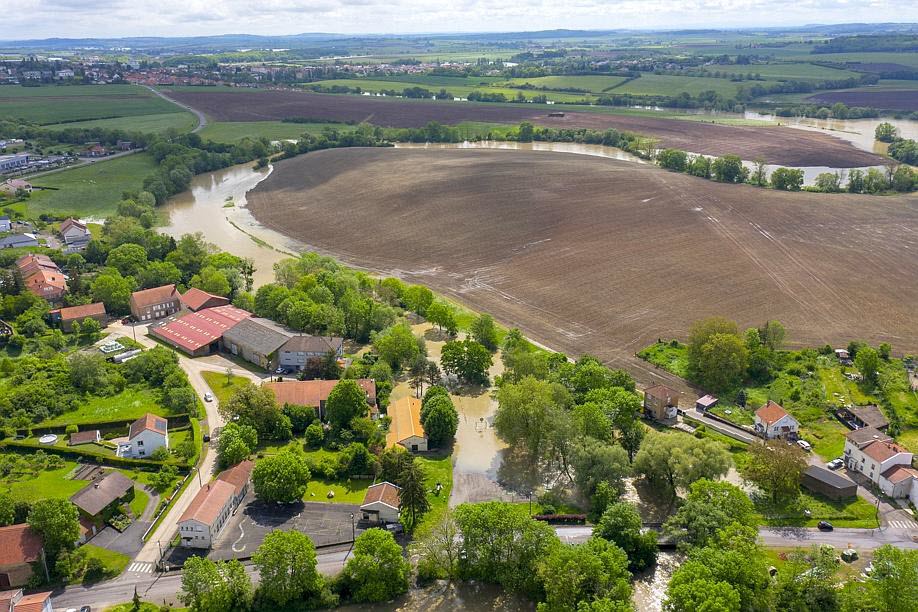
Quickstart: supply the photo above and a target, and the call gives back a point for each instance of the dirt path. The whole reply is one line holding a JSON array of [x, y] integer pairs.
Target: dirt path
[[202, 118]]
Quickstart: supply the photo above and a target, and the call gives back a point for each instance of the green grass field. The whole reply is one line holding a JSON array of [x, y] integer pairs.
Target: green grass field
[[54, 104], [793, 71], [664, 85], [114, 562], [461, 91], [132, 403], [595, 84], [157, 123], [139, 503], [436, 470], [350, 491], [857, 512], [905, 59], [221, 388], [231, 132], [47, 484], [665, 355], [92, 190]]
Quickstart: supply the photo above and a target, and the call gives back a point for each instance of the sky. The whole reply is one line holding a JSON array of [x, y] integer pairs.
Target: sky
[[115, 18]]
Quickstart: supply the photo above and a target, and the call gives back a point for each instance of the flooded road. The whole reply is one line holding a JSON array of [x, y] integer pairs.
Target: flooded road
[[215, 206]]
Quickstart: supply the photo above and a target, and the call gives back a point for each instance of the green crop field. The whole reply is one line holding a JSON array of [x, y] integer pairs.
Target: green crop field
[[52, 104], [795, 71], [231, 132], [664, 85], [91, 190], [430, 80], [161, 122], [595, 84], [905, 59], [373, 85]]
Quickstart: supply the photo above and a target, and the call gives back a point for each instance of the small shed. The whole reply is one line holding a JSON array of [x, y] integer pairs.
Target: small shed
[[827, 483], [705, 403], [381, 504]]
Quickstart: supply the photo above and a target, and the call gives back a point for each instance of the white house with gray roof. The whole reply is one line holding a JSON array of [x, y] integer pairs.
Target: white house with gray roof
[[298, 351]]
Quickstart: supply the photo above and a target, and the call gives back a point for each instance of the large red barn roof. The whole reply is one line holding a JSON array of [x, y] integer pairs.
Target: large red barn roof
[[201, 328]]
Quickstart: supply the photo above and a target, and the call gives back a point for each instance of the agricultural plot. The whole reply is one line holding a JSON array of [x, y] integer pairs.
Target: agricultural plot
[[181, 121], [272, 130], [590, 255], [596, 84], [902, 100], [775, 145], [905, 59], [47, 105], [665, 85], [794, 72], [457, 91]]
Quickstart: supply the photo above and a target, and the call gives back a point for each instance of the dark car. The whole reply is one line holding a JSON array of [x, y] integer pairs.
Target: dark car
[[825, 526]]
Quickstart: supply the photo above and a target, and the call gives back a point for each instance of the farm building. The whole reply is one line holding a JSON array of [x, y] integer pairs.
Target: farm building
[[299, 351], [146, 434], [257, 341], [381, 504], [18, 241], [104, 495], [772, 421], [20, 547], [405, 428], [661, 403], [155, 303], [194, 300], [199, 333], [828, 483], [66, 317], [858, 417], [42, 276], [314, 393]]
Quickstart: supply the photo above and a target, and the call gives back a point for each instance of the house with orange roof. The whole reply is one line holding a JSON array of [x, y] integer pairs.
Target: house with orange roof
[[15, 601], [155, 303], [382, 503], [314, 393], [41, 276], [20, 550], [405, 427], [66, 317], [195, 299], [145, 435], [772, 421], [661, 403], [207, 514]]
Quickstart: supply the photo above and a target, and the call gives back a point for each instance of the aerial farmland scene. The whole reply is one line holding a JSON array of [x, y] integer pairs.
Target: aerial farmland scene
[[433, 306]]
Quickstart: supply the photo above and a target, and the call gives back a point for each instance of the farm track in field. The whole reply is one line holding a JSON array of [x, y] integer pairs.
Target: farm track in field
[[773, 144], [591, 255]]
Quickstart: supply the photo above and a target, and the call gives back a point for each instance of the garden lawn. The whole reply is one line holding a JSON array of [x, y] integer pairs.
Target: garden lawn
[[857, 512], [222, 389], [436, 470], [55, 484], [349, 491], [114, 562], [139, 503], [91, 190], [132, 403], [670, 357]]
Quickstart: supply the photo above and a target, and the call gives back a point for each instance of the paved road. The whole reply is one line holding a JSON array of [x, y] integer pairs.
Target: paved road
[[164, 587], [202, 119]]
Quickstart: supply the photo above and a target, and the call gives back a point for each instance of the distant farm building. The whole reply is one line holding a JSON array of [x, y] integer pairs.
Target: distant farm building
[[200, 333], [828, 483]]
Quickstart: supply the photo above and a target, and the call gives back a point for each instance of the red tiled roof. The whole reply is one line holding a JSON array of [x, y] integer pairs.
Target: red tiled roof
[[881, 450], [154, 295], [81, 312], [208, 502], [312, 392], [195, 299], [661, 392], [71, 222], [384, 492], [898, 473], [7, 597], [84, 437], [237, 475], [771, 412], [149, 422], [32, 603], [197, 329], [19, 544]]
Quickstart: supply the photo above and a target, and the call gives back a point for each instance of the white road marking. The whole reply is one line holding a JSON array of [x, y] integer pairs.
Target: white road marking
[[141, 568]]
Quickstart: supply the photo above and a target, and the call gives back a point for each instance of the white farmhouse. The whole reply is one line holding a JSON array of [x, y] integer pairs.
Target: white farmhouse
[[772, 421], [382, 503], [887, 465], [200, 524], [147, 433]]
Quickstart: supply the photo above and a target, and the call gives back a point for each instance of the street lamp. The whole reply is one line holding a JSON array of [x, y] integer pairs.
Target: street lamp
[[353, 528], [530, 502], [198, 470]]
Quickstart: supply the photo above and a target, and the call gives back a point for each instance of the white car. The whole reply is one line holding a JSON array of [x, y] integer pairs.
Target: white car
[[804, 445], [208, 397], [835, 464]]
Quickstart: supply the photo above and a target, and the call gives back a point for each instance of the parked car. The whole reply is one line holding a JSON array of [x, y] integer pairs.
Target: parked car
[[825, 526], [804, 445], [835, 463], [208, 397], [206, 438]]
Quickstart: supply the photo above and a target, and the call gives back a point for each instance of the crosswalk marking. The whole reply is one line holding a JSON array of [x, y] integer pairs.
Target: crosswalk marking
[[903, 524], [141, 568]]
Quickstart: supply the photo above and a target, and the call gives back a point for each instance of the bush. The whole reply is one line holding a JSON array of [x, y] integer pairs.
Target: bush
[[315, 435], [71, 429]]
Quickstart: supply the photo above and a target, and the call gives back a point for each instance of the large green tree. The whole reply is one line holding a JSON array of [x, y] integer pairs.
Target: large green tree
[[891, 586], [57, 521], [594, 571], [413, 497], [621, 525], [114, 291], [466, 359], [398, 347], [776, 468], [280, 478], [236, 443], [221, 586], [708, 507], [345, 402], [528, 414], [255, 406], [286, 562], [806, 581], [440, 420], [674, 461], [129, 259], [867, 361], [376, 571], [484, 332], [593, 462]]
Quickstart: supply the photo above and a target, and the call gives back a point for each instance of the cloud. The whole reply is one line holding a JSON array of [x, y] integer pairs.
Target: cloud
[[113, 18]]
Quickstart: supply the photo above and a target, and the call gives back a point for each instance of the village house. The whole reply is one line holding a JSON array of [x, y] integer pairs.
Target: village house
[[194, 300], [41, 276], [11, 187], [19, 241], [314, 393], [75, 234], [155, 303], [872, 453], [661, 403], [772, 421], [299, 351], [240, 476], [15, 601], [101, 497], [66, 317], [20, 548], [381, 504], [256, 340], [212, 506], [199, 333], [5, 223], [405, 428], [146, 434]]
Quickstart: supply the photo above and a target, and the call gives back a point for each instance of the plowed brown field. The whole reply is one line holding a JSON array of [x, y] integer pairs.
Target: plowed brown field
[[775, 145], [591, 255]]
